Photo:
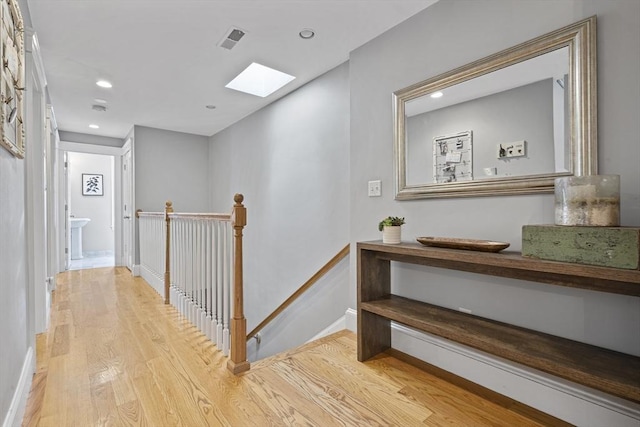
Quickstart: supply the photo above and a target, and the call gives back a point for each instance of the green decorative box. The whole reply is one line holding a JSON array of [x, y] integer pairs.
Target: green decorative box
[[617, 247]]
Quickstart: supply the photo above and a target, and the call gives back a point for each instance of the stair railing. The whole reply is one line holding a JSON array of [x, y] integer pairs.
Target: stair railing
[[298, 293], [195, 261]]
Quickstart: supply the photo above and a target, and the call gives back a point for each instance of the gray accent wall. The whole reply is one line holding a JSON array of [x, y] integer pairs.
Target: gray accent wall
[[523, 113], [291, 162], [14, 330], [452, 33], [15, 338], [170, 166]]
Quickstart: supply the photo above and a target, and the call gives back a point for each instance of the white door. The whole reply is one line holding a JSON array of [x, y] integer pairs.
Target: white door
[[51, 165], [128, 216]]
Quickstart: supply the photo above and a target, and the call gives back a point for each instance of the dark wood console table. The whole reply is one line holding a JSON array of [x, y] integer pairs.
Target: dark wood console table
[[602, 369]]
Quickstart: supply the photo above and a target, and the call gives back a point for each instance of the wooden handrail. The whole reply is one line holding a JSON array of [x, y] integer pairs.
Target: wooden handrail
[[216, 216], [238, 362], [140, 213], [323, 270], [180, 215]]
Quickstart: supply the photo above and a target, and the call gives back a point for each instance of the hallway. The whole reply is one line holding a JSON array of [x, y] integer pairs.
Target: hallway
[[116, 355], [93, 260]]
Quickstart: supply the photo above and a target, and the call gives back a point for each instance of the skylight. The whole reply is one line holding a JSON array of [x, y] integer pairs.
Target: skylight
[[259, 80]]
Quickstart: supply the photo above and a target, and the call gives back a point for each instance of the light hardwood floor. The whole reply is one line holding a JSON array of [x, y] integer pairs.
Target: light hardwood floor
[[116, 355]]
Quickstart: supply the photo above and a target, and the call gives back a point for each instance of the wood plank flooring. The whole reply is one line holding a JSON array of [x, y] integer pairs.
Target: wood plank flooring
[[116, 355]]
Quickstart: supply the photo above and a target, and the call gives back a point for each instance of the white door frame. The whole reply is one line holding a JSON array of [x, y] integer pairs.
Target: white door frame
[[64, 237], [53, 210], [36, 178], [127, 212], [116, 152]]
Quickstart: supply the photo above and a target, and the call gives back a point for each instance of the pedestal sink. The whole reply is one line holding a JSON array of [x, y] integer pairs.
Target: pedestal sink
[[76, 236]]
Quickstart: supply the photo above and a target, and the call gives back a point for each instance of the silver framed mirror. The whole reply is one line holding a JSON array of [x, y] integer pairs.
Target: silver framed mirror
[[506, 124]]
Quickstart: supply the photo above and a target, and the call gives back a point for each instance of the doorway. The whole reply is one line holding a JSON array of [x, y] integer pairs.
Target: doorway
[[91, 207]]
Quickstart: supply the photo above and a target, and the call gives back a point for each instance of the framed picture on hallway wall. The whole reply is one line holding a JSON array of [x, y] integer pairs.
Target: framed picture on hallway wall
[[12, 79], [92, 185]]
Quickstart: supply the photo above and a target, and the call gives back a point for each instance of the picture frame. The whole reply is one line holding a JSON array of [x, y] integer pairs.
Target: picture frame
[[92, 184], [453, 157], [12, 78]]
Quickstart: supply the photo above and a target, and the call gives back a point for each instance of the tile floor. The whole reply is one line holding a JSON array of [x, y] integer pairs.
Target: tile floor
[[93, 260]]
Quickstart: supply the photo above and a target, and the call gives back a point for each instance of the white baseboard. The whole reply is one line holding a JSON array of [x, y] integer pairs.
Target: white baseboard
[[336, 326], [153, 279], [563, 399], [351, 320], [136, 270], [15, 414]]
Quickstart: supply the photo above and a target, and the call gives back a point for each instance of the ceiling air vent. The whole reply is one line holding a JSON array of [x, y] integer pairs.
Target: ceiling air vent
[[231, 38], [97, 107]]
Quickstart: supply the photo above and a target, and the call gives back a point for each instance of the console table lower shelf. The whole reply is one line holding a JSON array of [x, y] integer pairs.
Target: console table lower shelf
[[602, 369], [609, 371]]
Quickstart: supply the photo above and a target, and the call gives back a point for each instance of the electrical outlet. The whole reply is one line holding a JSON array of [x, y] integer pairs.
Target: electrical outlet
[[490, 171], [513, 149], [375, 188]]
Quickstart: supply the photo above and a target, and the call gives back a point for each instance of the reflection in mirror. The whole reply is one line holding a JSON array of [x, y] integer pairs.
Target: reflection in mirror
[[492, 106], [507, 124]]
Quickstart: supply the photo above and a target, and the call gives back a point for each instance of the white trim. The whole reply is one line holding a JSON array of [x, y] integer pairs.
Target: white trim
[[18, 405], [79, 147], [33, 46], [116, 153], [336, 326], [153, 279], [39, 298], [563, 399], [136, 270], [128, 259], [117, 210], [351, 320]]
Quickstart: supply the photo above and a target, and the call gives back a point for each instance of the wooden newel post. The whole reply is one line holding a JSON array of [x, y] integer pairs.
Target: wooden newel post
[[168, 208], [238, 362]]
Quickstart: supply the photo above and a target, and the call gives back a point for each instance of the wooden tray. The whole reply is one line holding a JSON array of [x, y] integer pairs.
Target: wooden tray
[[467, 244]]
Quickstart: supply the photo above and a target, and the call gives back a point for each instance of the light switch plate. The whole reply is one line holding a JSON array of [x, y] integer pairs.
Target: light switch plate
[[375, 188], [512, 149]]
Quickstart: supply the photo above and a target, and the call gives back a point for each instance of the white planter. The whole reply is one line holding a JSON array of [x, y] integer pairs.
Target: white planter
[[391, 234]]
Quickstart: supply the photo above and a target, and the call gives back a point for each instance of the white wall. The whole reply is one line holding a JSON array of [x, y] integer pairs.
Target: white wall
[[97, 235], [429, 44], [85, 138], [291, 162]]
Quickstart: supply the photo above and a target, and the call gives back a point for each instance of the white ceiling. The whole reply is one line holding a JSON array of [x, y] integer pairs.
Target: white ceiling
[[163, 60]]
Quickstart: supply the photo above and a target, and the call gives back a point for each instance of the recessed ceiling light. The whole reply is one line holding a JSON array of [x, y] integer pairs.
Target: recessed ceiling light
[[104, 84], [436, 94], [210, 107], [92, 126], [307, 33], [100, 100], [259, 80]]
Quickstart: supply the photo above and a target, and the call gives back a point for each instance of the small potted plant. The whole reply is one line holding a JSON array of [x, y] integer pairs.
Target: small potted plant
[[390, 227]]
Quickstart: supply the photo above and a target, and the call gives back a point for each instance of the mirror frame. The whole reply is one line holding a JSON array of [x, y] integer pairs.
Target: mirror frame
[[580, 38]]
